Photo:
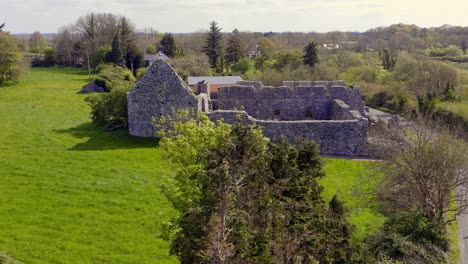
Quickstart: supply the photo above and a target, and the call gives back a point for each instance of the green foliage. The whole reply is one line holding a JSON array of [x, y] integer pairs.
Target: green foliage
[[102, 55], [452, 51], [214, 46], [117, 54], [266, 48], [167, 45], [151, 50], [243, 66], [411, 238], [49, 56], [311, 54], [289, 58], [389, 102], [244, 200], [109, 110], [10, 58], [389, 59], [111, 76], [141, 72]]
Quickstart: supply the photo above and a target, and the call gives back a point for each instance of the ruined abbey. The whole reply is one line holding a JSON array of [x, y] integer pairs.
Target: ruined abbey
[[330, 113]]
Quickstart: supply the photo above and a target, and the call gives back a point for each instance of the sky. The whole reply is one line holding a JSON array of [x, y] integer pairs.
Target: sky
[[47, 16]]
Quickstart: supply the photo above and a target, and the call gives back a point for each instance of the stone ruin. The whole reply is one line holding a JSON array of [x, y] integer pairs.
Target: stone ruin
[[330, 113]]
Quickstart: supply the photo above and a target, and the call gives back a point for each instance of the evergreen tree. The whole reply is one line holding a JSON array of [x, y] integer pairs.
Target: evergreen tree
[[2, 26], [311, 54], [235, 48], [214, 45], [167, 45], [117, 55]]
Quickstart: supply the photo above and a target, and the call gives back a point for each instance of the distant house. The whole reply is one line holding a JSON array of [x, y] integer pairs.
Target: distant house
[[215, 81], [331, 46], [150, 58]]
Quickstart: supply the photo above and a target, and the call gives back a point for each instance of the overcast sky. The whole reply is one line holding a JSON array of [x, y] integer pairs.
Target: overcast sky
[[27, 16]]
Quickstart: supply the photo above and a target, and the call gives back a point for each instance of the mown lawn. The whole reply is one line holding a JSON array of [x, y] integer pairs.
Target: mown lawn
[[70, 192], [346, 179], [73, 193]]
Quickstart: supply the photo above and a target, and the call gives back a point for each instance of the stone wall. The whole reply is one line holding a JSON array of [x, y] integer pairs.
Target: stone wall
[[334, 137], [306, 101], [160, 93], [330, 113]]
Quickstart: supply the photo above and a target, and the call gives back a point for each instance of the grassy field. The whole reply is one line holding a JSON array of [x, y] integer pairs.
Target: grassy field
[[345, 179], [70, 192], [73, 193]]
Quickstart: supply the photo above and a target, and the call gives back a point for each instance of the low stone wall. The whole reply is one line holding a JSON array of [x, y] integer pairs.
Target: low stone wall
[[334, 137]]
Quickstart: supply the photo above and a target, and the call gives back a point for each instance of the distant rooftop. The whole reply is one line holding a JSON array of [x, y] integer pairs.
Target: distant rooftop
[[214, 79], [157, 56]]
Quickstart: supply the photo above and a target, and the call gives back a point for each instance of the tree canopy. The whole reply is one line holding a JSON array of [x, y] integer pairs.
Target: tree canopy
[[244, 200], [10, 58]]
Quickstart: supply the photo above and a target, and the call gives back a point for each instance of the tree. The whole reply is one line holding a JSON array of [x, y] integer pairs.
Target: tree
[[10, 58], [117, 54], [244, 200], [192, 65], [266, 47], [425, 170], [311, 54], [2, 26], [213, 45], [292, 58], [235, 48], [167, 45], [65, 41], [37, 43]]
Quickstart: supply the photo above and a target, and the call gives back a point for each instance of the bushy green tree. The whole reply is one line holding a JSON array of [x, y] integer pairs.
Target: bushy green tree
[[10, 58], [111, 76], [109, 110], [214, 45], [289, 58], [243, 66], [167, 45]]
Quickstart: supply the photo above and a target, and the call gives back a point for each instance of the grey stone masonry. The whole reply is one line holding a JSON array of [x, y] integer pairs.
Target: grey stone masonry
[[328, 112], [160, 93]]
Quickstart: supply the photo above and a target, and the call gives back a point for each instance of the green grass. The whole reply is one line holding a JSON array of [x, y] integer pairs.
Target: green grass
[[70, 192], [73, 193], [346, 179], [459, 108]]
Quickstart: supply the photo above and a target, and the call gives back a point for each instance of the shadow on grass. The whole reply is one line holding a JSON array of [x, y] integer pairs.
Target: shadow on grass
[[99, 139]]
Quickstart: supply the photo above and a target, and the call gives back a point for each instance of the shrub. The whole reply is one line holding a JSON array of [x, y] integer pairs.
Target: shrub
[[141, 72], [110, 109], [111, 76]]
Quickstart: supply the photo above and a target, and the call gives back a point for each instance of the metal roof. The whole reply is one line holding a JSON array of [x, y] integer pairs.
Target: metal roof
[[192, 80]]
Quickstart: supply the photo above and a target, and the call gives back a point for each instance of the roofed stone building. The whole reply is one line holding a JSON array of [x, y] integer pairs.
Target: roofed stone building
[[330, 113]]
